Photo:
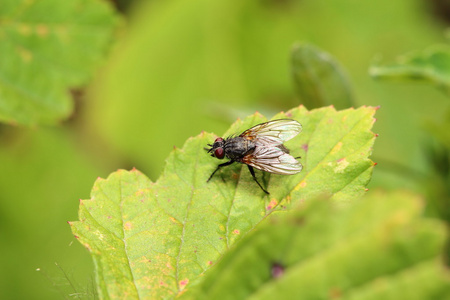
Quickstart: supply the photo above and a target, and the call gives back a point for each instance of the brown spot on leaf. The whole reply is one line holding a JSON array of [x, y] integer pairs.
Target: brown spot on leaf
[[277, 270], [272, 204], [337, 147], [288, 199], [128, 225], [42, 30], [24, 29], [299, 221], [236, 231], [183, 283], [335, 293], [25, 54]]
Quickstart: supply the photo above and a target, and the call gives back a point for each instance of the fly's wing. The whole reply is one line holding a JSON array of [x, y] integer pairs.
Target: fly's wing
[[273, 160], [273, 133]]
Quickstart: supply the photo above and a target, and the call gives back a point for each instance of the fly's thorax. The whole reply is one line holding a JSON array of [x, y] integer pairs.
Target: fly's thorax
[[238, 147]]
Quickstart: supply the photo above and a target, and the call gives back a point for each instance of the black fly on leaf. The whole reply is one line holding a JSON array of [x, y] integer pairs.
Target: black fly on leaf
[[260, 147]]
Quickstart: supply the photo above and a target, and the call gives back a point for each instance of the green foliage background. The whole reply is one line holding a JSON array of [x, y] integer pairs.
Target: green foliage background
[[172, 70]]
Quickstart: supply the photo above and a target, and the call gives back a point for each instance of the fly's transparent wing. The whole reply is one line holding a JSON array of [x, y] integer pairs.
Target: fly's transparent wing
[[273, 160], [273, 133]]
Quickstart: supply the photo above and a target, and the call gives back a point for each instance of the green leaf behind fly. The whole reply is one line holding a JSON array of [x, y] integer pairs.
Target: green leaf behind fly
[[431, 65], [47, 47], [318, 79], [153, 240]]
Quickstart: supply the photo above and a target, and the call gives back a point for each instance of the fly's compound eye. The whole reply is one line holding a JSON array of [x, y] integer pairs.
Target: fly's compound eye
[[219, 139], [219, 153]]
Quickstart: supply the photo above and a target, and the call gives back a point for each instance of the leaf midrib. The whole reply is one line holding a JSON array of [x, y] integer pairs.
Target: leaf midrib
[[125, 238], [177, 279]]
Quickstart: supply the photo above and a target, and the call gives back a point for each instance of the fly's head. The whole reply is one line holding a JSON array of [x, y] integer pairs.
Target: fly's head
[[217, 148]]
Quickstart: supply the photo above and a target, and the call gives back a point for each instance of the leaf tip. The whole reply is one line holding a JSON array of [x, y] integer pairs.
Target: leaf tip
[[258, 114]]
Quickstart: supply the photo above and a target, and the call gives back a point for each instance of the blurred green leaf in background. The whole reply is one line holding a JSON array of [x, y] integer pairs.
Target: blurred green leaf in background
[[47, 47], [318, 78], [431, 66], [177, 68]]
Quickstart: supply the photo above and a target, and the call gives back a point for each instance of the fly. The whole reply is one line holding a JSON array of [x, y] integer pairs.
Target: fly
[[260, 147]]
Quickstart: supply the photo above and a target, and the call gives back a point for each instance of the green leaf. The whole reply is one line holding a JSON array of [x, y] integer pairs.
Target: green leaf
[[318, 78], [152, 240], [48, 47], [378, 249], [431, 65], [439, 128]]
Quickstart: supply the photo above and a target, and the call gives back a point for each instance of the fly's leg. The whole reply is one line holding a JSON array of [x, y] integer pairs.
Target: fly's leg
[[218, 167], [254, 177]]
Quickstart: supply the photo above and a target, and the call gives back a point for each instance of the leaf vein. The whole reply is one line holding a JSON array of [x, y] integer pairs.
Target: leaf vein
[[125, 238]]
